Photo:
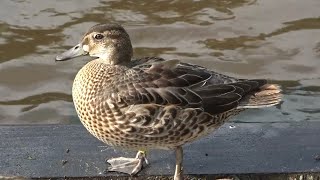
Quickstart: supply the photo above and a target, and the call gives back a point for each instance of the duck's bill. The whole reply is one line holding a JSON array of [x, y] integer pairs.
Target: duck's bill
[[75, 51]]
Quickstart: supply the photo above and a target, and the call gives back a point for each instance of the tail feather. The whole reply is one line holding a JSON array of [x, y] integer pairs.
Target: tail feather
[[267, 95]]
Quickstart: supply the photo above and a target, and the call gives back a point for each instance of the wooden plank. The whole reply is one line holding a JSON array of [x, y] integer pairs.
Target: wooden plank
[[236, 148]]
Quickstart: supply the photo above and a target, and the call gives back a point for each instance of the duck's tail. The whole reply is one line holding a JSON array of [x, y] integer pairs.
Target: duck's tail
[[267, 95]]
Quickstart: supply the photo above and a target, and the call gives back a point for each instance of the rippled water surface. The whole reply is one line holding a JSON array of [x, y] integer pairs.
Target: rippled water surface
[[277, 40]]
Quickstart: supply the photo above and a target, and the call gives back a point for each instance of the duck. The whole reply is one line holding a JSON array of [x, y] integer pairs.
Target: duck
[[152, 103]]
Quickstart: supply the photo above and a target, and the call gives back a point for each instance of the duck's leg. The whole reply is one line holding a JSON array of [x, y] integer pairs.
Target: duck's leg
[[178, 175], [128, 165]]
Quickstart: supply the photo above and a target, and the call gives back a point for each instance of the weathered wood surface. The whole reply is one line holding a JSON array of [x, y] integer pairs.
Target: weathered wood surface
[[69, 150]]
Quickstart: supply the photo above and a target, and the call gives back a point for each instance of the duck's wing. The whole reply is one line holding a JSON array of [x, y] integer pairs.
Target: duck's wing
[[184, 85]]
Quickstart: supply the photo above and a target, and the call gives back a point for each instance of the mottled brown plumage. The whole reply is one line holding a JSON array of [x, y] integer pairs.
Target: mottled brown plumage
[[151, 103]]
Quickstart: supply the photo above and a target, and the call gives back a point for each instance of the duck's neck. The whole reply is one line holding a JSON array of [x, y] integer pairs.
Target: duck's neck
[[115, 56]]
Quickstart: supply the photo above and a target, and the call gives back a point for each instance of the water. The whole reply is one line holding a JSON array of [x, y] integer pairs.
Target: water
[[277, 40]]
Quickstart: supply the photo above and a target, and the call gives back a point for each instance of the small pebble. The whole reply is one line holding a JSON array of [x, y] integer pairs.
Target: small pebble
[[317, 157], [30, 158], [68, 150], [232, 126], [64, 162]]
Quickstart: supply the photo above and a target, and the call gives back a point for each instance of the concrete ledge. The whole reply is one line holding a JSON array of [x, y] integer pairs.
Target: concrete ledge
[[236, 148]]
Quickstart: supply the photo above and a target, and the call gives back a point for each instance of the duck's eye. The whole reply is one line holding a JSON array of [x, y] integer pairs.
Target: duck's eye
[[98, 36]]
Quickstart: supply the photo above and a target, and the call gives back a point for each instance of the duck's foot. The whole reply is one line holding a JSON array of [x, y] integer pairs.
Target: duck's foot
[[128, 165]]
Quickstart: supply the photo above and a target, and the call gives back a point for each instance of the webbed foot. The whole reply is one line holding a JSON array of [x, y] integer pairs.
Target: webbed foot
[[128, 165]]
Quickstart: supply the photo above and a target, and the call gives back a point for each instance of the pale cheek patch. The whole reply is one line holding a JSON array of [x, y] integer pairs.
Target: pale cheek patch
[[85, 48]]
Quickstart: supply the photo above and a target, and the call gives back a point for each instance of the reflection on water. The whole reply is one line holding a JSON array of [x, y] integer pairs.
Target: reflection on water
[[278, 40]]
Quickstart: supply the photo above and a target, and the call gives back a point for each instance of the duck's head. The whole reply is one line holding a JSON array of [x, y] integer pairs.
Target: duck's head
[[109, 42]]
